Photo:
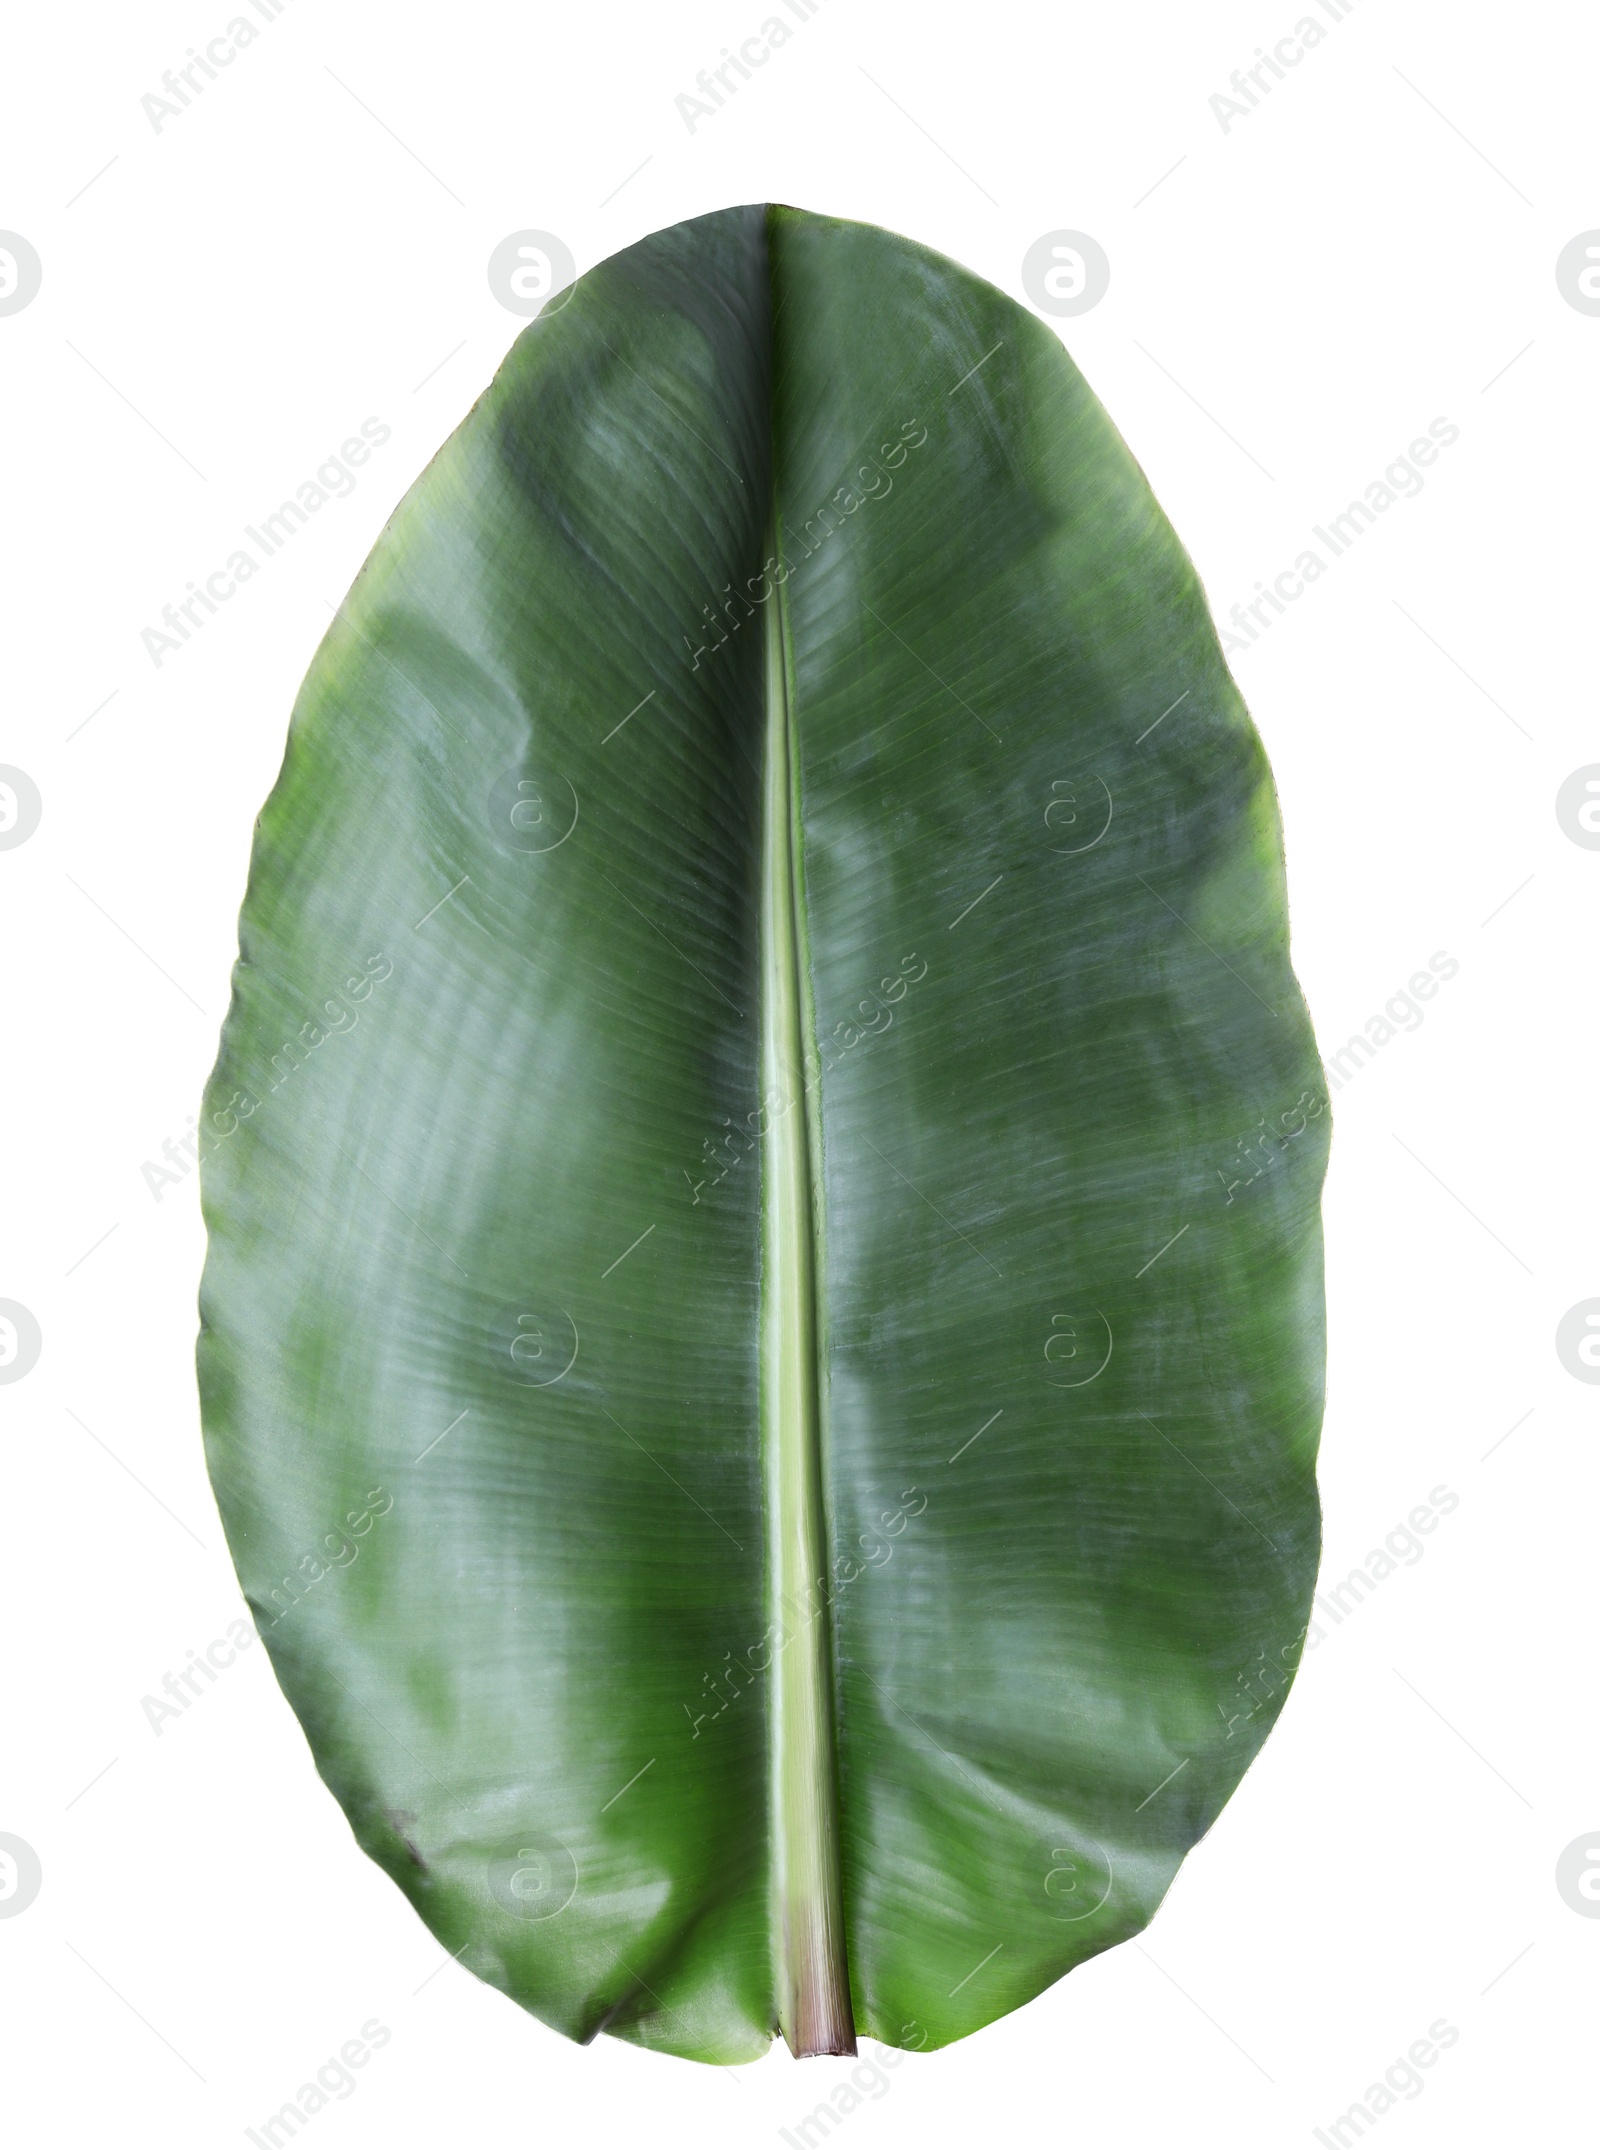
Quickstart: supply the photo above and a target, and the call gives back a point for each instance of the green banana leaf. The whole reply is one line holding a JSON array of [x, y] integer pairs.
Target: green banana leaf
[[762, 1338]]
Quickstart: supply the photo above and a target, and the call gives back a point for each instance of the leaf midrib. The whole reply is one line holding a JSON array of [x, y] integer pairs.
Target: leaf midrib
[[813, 1989]]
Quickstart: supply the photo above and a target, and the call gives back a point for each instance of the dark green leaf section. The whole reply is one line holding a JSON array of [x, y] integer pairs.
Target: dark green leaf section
[[480, 1355], [1076, 1587], [418, 1221]]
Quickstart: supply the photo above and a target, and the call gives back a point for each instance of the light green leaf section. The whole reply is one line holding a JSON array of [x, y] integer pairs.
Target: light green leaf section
[[762, 1336]]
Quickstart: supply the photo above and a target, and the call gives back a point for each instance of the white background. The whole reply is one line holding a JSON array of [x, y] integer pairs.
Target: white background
[[1371, 248]]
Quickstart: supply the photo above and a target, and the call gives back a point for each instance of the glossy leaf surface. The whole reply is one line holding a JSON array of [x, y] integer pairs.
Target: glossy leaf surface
[[764, 981]]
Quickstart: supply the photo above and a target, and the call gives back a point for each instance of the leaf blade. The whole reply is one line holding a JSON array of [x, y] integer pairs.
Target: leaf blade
[[538, 1667]]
